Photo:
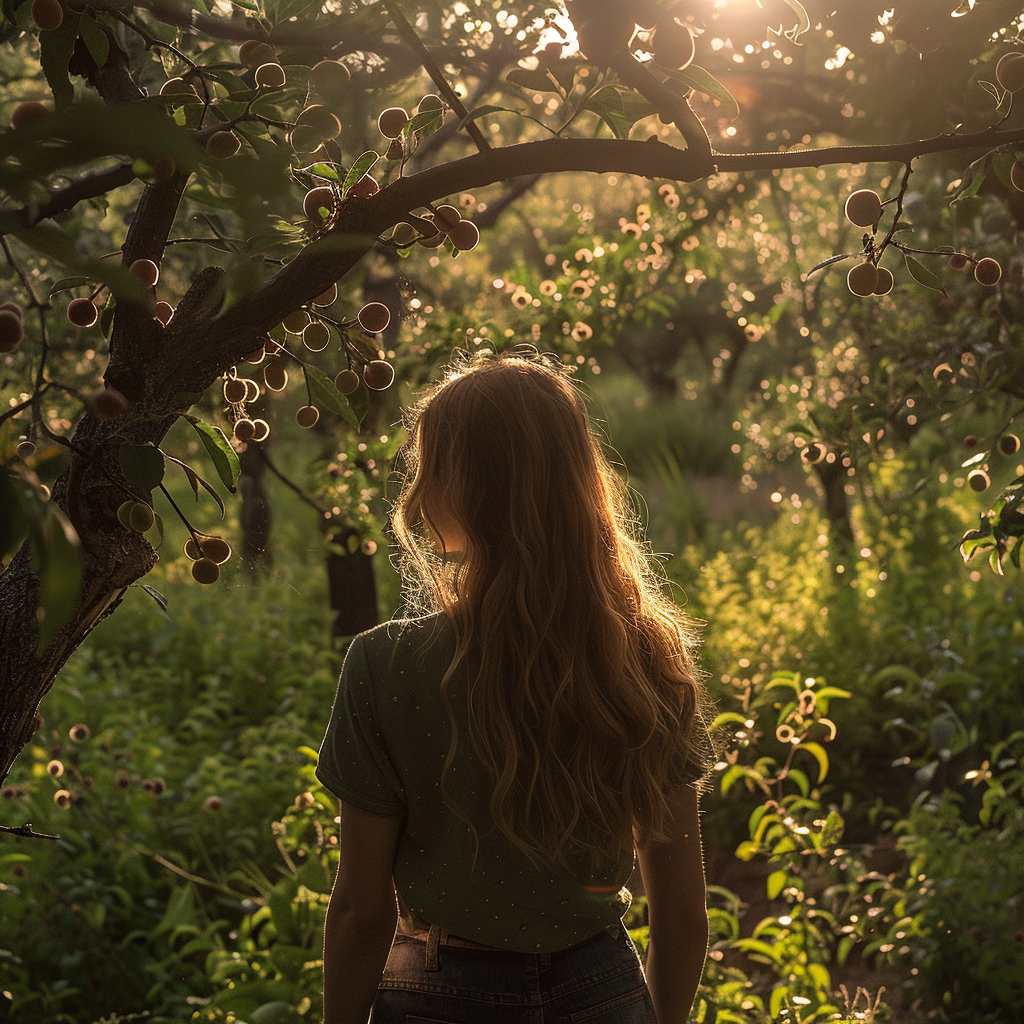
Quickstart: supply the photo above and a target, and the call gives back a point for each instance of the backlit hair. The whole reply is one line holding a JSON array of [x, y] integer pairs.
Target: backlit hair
[[584, 703]]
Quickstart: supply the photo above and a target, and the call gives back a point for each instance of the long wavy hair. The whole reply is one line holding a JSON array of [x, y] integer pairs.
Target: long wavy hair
[[583, 699]]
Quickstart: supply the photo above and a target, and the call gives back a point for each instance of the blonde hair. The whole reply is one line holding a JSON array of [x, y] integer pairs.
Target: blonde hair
[[583, 699]]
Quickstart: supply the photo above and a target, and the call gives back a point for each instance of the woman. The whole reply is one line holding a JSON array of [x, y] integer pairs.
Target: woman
[[500, 759]]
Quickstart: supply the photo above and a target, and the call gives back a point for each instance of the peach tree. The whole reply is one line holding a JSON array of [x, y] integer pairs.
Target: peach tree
[[192, 192]]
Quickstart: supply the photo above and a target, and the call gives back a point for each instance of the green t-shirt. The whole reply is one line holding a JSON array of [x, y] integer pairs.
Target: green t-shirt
[[384, 752]]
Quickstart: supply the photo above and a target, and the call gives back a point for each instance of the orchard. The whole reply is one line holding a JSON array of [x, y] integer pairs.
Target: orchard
[[237, 237]]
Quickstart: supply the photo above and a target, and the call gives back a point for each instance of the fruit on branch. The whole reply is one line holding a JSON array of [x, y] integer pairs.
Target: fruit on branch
[[275, 376], [180, 89], [391, 122], [1010, 71], [221, 145], [10, 330], [270, 76], [446, 217], [252, 389], [62, 798], [192, 550], [347, 381], [304, 139], [430, 102], [245, 429], [863, 208], [163, 311], [863, 278], [813, 453], [987, 271], [205, 570], [253, 53], [12, 307], [214, 803], [262, 430], [321, 196], [1009, 444], [374, 317], [317, 336], [307, 415], [82, 312], [140, 517], [884, 283], [404, 235], [378, 375], [366, 186], [958, 261], [330, 80], [465, 235], [108, 404], [29, 113], [431, 241], [216, 549], [295, 323], [234, 390], [604, 33], [328, 297], [146, 271], [255, 357], [1017, 175], [320, 120], [674, 46], [47, 14], [978, 480]]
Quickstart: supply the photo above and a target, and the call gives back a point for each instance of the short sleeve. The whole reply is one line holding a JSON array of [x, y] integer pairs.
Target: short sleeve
[[354, 763]]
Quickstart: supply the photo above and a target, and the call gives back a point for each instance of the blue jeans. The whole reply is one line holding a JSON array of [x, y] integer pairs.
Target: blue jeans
[[434, 981]]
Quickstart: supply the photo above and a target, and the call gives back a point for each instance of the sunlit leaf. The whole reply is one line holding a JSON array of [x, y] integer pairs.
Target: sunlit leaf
[[326, 396], [225, 460], [922, 275], [142, 465], [96, 40], [817, 751], [55, 558], [694, 77], [359, 169]]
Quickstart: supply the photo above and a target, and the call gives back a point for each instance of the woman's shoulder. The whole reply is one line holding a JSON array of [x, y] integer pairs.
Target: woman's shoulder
[[404, 638]]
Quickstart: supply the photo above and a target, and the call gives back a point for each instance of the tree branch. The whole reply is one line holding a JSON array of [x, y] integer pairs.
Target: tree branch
[[66, 198]]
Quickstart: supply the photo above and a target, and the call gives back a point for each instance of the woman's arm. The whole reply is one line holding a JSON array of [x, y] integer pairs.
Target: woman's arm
[[673, 875], [362, 915]]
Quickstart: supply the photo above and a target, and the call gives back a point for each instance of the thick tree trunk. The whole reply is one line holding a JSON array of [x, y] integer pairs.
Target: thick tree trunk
[[257, 513], [351, 586]]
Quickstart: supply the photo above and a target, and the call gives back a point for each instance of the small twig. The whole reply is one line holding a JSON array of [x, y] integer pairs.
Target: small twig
[[899, 210], [26, 831], [288, 483]]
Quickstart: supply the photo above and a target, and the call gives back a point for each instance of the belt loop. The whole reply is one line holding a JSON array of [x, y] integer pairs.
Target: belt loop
[[431, 962]]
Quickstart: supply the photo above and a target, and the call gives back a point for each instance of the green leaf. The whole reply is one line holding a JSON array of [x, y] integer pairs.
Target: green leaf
[[972, 180], [775, 884], [477, 112], [55, 49], [817, 751], [359, 170], [67, 283], [142, 465], [425, 123], [325, 171], [534, 81], [16, 518], [803, 21], [55, 558], [747, 850], [619, 110], [327, 396], [726, 717], [695, 77], [155, 594], [95, 39], [219, 449], [922, 275], [197, 481]]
